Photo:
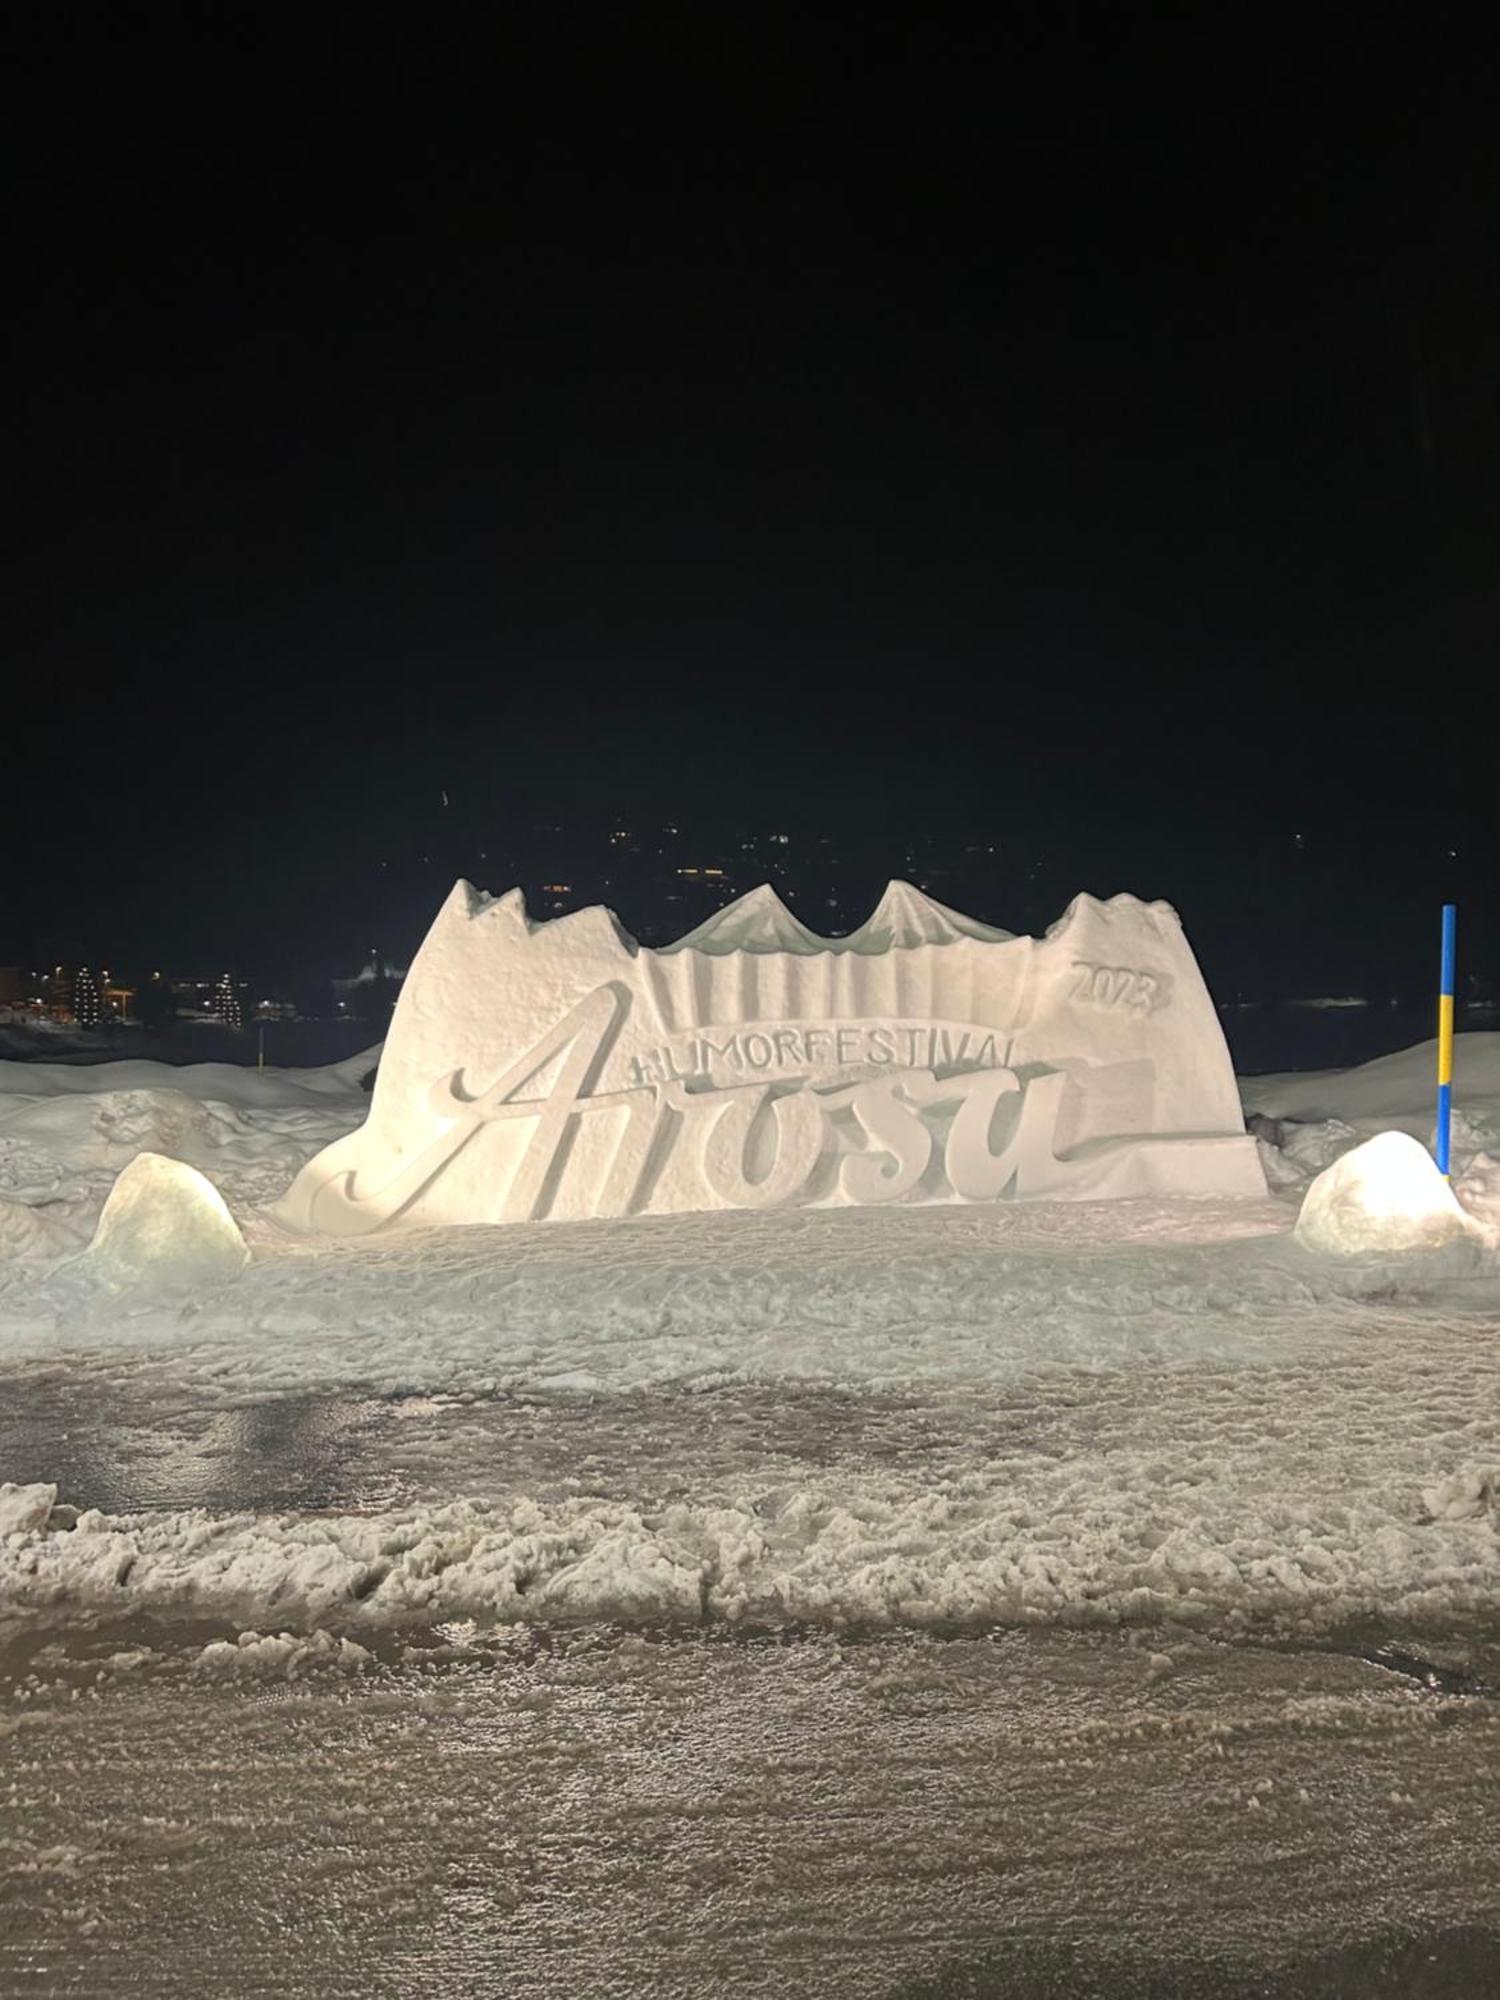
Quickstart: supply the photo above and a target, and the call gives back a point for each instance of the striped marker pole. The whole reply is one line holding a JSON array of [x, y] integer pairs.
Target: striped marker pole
[[1445, 1037]]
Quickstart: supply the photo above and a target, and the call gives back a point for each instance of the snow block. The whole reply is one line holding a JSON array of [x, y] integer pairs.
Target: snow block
[[165, 1226], [560, 1070], [1386, 1195]]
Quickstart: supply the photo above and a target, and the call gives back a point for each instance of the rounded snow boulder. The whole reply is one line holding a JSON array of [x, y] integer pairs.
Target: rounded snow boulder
[[1386, 1195], [166, 1226]]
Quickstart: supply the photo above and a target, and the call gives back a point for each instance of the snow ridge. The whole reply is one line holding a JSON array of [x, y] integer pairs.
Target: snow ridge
[[864, 1553]]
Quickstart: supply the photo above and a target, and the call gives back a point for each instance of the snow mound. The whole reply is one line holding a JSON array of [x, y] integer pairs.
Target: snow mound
[[1386, 1195], [166, 1225], [25, 1509], [1466, 1495], [280, 1655]]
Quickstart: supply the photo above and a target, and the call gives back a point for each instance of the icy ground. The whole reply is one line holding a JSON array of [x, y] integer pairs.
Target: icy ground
[[1050, 1599]]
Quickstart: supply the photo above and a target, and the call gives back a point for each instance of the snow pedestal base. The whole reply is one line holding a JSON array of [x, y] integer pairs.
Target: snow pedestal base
[[165, 1226], [1386, 1195]]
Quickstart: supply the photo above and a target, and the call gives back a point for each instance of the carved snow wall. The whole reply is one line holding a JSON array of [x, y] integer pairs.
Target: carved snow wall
[[561, 1070]]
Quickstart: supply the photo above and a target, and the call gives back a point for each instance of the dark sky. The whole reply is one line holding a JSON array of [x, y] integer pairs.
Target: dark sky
[[1083, 429]]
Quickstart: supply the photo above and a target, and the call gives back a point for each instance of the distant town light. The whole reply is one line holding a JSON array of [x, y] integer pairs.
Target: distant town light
[[86, 998], [226, 1002]]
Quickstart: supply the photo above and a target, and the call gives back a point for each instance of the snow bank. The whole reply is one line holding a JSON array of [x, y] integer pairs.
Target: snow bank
[[124, 1112], [1307, 1122], [1386, 1195], [66, 1131], [208, 1083], [30, 1232], [860, 1551], [165, 1226], [1396, 1092], [108, 1128]]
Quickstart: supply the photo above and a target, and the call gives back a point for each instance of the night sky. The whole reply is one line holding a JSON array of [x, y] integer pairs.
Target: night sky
[[1086, 434]]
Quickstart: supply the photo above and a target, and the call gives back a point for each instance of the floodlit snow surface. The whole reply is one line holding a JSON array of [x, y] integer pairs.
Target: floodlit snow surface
[[1385, 1195], [1031, 1598]]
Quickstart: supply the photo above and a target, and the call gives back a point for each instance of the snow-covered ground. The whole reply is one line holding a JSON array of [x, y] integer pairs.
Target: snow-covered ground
[[1079, 1412], [713, 1527]]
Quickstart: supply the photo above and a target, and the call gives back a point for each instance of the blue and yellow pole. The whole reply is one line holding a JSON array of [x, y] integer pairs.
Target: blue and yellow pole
[[1445, 1037]]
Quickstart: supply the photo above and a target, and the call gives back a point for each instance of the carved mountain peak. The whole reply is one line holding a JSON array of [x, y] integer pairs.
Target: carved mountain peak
[[758, 921]]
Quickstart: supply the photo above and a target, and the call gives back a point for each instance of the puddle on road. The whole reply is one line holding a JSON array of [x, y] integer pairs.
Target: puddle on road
[[360, 1454]]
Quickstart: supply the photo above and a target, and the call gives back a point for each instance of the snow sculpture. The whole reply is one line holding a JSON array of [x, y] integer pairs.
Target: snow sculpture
[[164, 1225], [561, 1070], [1386, 1195]]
